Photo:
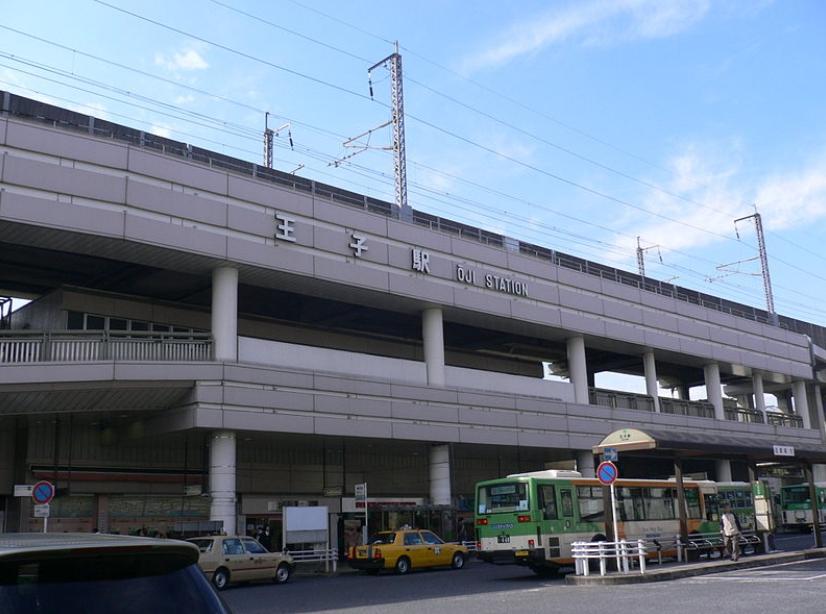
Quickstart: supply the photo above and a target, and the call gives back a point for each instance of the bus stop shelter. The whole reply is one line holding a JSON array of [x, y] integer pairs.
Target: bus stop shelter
[[679, 446]]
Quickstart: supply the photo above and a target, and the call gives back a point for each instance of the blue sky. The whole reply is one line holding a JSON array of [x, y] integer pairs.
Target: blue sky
[[576, 125]]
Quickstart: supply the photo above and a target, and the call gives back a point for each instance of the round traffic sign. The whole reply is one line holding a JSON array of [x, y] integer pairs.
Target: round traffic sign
[[607, 472], [43, 492]]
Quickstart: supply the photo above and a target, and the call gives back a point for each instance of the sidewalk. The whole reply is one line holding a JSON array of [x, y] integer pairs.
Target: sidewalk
[[674, 571]]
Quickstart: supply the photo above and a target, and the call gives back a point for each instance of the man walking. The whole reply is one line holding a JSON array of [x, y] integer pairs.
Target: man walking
[[730, 529]]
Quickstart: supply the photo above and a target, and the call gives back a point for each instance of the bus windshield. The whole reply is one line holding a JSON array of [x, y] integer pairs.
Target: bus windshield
[[797, 494], [502, 498]]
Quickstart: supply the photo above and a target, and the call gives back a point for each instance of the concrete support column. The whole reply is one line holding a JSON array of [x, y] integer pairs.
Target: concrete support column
[[817, 394], [722, 469], [585, 463], [819, 472], [652, 388], [578, 369], [433, 337], [225, 313], [801, 403], [440, 475], [222, 479], [759, 399], [714, 392]]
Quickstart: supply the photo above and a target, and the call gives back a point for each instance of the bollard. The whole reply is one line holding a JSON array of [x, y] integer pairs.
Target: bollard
[[602, 566], [641, 549], [679, 549]]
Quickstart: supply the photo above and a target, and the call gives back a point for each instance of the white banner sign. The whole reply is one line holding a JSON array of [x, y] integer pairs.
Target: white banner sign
[[23, 490], [784, 450]]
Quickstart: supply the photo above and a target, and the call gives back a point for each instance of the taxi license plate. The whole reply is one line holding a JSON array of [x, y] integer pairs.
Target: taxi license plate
[[521, 553]]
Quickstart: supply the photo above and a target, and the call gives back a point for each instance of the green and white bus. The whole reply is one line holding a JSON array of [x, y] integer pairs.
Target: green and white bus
[[796, 505], [532, 519]]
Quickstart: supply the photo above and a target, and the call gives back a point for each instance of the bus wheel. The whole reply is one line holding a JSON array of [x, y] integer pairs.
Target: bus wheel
[[545, 571]]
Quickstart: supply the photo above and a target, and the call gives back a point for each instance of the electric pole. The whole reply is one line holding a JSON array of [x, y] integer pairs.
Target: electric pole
[[641, 256], [764, 263], [269, 139], [393, 63]]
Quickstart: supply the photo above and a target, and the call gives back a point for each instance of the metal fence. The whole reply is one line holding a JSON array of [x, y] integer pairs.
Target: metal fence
[[329, 557], [20, 346]]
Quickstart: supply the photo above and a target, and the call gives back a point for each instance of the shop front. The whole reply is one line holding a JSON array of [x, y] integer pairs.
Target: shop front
[[262, 517]]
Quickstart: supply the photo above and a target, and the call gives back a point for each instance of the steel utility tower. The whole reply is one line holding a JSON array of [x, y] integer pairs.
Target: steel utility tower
[[394, 63], [269, 140], [641, 256], [764, 262]]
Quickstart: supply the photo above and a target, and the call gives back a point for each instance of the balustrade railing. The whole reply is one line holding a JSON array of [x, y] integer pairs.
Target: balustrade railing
[[741, 414], [22, 346], [778, 419], [680, 407]]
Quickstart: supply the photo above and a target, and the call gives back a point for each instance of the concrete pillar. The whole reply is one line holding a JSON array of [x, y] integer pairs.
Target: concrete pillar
[[652, 389], [433, 337], [759, 399], [819, 472], [714, 392], [578, 369], [222, 479], [817, 394], [225, 313], [801, 403], [440, 475], [722, 469], [585, 463]]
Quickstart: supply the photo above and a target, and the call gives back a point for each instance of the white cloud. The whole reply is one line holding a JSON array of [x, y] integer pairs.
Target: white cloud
[[184, 100], [785, 199], [160, 131], [593, 22], [189, 58]]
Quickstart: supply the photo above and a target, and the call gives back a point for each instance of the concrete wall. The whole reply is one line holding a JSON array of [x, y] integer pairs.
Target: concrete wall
[[195, 217]]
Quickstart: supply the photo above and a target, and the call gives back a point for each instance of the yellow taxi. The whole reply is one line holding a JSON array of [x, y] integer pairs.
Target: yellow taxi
[[407, 549]]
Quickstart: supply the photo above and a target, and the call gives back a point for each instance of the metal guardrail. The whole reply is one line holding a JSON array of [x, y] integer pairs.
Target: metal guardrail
[[622, 552], [620, 400], [22, 346], [20, 106], [329, 557], [741, 414], [681, 407], [778, 419], [630, 552]]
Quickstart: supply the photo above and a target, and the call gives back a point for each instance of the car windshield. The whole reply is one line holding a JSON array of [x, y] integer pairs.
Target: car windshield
[[383, 538], [100, 585]]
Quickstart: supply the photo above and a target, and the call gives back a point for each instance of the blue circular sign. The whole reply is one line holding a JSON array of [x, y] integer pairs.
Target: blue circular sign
[[607, 472], [43, 492]]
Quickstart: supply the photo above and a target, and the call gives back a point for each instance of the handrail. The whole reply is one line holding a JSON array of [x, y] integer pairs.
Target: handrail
[[623, 551], [327, 556], [26, 346]]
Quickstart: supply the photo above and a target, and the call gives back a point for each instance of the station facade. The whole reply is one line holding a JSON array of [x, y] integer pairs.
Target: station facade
[[210, 341]]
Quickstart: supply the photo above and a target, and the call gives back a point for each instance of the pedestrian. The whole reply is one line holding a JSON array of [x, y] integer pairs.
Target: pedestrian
[[265, 540], [730, 530]]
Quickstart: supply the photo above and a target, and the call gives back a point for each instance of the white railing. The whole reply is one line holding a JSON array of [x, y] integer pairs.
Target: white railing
[[22, 346], [626, 553], [622, 552], [328, 557]]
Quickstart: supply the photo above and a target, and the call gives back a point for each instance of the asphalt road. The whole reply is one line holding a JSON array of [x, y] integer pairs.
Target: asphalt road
[[481, 588]]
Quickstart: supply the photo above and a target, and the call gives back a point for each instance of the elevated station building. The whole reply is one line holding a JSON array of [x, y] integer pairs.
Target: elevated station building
[[212, 340]]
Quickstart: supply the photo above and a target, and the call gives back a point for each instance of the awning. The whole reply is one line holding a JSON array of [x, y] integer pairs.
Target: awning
[[710, 445]]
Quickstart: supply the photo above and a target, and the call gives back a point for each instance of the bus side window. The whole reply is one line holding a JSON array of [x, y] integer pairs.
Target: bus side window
[[547, 501], [567, 503]]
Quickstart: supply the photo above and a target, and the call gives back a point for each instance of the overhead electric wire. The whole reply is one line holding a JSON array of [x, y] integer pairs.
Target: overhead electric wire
[[186, 111]]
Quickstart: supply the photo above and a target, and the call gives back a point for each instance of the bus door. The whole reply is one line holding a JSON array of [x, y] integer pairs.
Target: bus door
[[566, 506]]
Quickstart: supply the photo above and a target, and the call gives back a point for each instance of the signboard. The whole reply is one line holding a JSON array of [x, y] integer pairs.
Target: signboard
[[607, 473], [41, 511], [784, 450], [306, 525], [610, 454], [361, 491], [42, 492], [23, 490]]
